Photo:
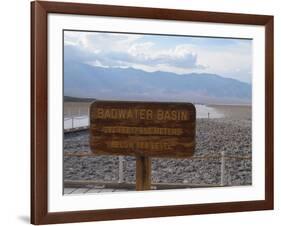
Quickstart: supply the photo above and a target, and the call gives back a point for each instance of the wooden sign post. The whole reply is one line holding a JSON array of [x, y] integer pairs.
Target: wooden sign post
[[143, 173], [143, 130]]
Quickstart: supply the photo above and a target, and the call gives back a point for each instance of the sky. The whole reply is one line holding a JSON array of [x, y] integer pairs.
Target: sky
[[231, 58]]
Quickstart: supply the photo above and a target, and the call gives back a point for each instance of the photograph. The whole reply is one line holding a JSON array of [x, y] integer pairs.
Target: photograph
[[182, 103], [142, 112]]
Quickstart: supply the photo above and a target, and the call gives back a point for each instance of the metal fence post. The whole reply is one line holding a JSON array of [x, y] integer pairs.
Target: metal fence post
[[222, 168], [121, 170]]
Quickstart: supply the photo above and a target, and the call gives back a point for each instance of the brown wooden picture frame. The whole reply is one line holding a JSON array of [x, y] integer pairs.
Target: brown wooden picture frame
[[39, 109]]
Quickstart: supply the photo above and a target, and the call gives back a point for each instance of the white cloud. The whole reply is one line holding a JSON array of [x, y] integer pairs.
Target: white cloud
[[234, 61]]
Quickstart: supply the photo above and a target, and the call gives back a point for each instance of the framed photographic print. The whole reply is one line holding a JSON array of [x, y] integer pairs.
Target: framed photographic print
[[147, 112]]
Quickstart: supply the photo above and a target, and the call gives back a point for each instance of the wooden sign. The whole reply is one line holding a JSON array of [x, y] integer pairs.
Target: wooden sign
[[153, 129]]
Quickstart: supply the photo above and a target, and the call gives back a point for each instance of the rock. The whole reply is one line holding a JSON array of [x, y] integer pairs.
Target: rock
[[212, 137]]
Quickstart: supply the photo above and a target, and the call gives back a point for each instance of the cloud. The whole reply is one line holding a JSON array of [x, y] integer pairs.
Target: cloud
[[234, 61], [97, 42], [179, 56], [231, 59], [119, 50]]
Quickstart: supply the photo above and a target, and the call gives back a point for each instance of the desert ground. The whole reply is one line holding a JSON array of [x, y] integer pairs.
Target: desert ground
[[230, 133]]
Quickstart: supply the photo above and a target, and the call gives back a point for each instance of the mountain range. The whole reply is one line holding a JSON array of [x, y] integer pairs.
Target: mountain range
[[86, 81]]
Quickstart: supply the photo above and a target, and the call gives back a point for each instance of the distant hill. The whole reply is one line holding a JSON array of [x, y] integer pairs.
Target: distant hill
[[84, 81]]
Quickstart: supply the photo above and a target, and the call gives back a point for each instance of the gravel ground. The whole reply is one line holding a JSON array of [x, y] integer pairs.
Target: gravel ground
[[212, 137]]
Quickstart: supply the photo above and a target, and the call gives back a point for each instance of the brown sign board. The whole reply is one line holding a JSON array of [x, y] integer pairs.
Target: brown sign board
[[153, 129]]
